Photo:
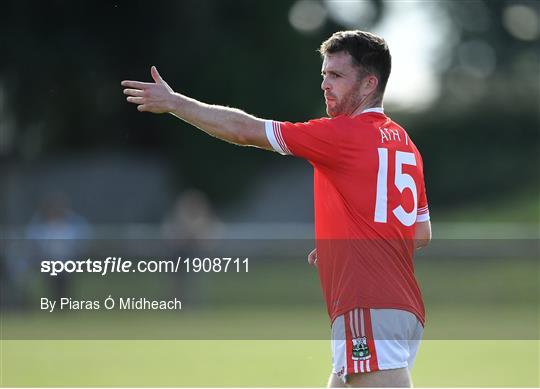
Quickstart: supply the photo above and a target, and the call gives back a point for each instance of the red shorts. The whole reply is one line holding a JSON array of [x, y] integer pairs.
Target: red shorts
[[366, 340]]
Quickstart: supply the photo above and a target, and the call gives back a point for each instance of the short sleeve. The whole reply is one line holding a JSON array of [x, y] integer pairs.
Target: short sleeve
[[422, 214], [315, 140]]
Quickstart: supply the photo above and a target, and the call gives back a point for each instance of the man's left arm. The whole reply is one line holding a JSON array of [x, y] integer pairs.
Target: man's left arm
[[422, 235], [228, 124]]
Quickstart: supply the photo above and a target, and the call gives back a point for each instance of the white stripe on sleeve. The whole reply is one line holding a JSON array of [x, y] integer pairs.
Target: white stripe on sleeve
[[422, 217], [279, 137], [271, 135]]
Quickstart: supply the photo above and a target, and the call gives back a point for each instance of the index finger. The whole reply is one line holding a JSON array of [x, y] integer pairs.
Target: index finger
[[136, 84]]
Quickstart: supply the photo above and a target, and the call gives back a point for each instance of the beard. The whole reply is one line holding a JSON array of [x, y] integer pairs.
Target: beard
[[347, 104]]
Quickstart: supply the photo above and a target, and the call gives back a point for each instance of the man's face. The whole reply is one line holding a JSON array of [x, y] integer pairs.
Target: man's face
[[341, 84]]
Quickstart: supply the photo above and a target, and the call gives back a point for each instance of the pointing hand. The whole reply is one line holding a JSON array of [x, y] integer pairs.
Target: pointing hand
[[155, 97]]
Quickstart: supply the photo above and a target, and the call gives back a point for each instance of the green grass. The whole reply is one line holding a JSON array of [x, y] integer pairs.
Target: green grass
[[443, 322], [466, 300], [523, 207], [256, 363], [250, 363]]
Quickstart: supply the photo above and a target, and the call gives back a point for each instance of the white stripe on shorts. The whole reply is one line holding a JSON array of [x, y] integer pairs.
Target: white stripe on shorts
[[356, 324], [362, 327], [353, 335]]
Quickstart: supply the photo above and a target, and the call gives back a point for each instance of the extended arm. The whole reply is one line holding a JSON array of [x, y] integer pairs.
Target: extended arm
[[229, 124]]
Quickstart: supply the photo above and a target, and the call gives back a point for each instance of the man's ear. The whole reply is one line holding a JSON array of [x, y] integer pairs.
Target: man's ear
[[371, 82]]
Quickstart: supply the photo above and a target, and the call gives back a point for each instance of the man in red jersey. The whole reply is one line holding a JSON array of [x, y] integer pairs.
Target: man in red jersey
[[371, 209]]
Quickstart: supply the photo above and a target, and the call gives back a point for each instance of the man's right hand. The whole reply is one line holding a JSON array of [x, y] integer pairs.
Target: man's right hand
[[312, 257], [156, 97]]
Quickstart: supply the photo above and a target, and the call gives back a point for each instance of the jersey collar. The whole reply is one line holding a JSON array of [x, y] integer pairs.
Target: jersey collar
[[374, 109]]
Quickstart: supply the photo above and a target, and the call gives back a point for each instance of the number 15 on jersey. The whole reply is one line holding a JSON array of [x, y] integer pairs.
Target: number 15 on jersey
[[401, 180]]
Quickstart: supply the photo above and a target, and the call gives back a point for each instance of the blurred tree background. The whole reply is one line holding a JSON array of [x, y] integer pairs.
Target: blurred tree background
[[475, 118]]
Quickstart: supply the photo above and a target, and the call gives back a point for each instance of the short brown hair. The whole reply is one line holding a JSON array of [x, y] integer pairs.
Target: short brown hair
[[369, 52]]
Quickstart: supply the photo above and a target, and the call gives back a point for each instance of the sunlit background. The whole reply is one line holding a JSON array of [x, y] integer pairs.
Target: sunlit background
[[464, 83]]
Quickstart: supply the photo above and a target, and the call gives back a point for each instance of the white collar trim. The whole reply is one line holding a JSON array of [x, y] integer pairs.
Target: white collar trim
[[374, 109]]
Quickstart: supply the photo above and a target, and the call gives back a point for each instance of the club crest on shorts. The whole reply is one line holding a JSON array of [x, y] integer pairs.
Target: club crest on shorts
[[360, 349]]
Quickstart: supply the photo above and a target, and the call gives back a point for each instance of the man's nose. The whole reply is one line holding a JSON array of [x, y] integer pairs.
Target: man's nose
[[325, 84]]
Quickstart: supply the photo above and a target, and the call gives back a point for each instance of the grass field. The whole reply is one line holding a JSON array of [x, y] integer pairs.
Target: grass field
[[261, 363], [482, 331], [250, 363]]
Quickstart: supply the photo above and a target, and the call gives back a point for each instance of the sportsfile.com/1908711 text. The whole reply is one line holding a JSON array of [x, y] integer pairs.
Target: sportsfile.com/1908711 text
[[119, 265]]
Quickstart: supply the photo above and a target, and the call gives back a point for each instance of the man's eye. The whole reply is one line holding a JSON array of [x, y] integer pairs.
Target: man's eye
[[330, 75]]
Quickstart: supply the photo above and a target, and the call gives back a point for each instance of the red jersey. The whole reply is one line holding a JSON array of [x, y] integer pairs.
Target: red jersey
[[369, 193]]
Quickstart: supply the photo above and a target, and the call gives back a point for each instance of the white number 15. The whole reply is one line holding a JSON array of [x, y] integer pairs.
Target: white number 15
[[401, 180]]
